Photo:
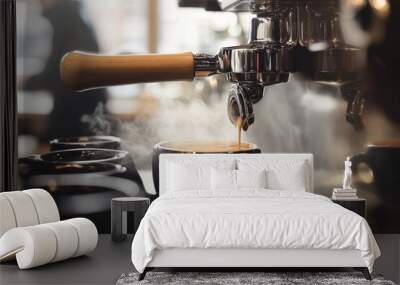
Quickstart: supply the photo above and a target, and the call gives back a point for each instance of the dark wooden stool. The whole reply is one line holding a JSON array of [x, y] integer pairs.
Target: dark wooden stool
[[119, 209]]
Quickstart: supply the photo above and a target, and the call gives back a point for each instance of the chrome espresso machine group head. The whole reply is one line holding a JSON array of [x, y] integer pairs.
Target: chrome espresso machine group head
[[286, 36]]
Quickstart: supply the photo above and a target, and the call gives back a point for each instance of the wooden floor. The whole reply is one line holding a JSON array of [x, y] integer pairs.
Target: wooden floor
[[103, 266]]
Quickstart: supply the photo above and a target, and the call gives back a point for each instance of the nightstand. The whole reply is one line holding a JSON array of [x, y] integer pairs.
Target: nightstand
[[358, 205]]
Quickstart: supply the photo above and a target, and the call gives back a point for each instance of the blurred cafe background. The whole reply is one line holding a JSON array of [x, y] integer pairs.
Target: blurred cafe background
[[296, 117]]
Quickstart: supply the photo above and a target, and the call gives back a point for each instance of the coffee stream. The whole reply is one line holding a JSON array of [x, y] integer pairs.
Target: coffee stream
[[239, 124]]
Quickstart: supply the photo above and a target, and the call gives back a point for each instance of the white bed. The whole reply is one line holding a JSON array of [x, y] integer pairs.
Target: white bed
[[248, 227]]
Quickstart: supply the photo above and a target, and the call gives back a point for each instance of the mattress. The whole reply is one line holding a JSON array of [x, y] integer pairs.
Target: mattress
[[250, 219]]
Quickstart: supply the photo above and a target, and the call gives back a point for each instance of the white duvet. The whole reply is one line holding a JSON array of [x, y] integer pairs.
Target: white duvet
[[250, 219]]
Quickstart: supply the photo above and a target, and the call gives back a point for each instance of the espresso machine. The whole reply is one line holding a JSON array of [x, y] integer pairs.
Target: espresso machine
[[352, 45], [323, 40]]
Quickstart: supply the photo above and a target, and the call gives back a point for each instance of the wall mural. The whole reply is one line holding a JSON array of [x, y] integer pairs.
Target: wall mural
[[61, 130]]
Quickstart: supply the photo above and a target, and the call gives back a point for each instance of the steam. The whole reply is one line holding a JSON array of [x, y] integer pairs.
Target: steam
[[175, 120], [99, 122]]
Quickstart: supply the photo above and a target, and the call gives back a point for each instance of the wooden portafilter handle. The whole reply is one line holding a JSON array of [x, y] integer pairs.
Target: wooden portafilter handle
[[81, 71]]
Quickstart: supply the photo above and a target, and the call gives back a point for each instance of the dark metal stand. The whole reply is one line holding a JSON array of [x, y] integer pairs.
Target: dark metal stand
[[364, 271], [143, 274]]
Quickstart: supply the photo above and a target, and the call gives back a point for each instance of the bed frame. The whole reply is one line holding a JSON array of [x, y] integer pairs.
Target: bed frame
[[242, 259]]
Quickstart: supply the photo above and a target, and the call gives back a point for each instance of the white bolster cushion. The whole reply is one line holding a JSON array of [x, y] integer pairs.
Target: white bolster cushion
[[7, 218], [23, 208], [26, 208], [37, 245], [66, 238], [45, 205], [33, 246], [87, 235]]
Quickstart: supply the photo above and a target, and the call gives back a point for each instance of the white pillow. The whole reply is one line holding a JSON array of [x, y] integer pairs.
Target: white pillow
[[181, 177], [292, 180], [223, 179], [282, 174], [251, 178], [185, 175]]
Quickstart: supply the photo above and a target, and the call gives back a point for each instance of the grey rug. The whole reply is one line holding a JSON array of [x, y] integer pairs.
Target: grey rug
[[243, 278]]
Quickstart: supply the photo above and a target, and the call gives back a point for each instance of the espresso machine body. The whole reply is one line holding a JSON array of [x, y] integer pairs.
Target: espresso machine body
[[288, 36]]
